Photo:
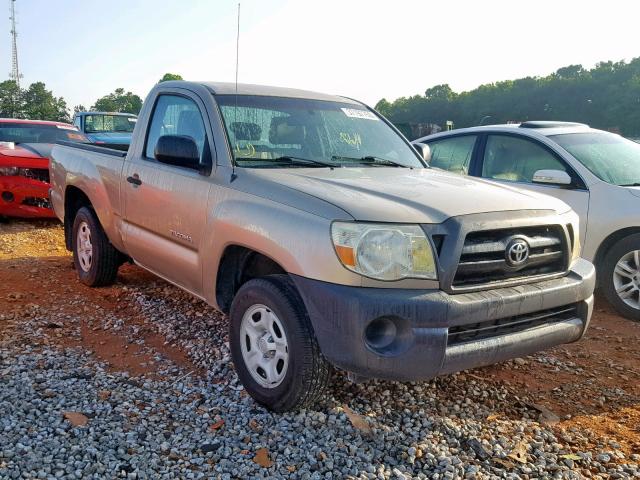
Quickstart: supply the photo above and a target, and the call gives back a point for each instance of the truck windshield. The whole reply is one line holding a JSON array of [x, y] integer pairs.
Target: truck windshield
[[610, 157], [279, 132], [109, 123], [34, 133]]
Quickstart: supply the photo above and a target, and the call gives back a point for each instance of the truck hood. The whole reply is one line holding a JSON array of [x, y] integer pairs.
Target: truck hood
[[120, 138], [381, 194]]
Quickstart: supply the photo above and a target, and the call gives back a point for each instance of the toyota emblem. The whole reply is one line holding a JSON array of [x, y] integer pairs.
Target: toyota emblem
[[517, 252]]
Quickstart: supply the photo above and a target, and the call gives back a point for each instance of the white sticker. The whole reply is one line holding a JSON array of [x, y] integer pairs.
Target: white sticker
[[67, 127], [355, 113]]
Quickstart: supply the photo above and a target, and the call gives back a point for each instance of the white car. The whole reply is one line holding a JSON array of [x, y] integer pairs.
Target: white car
[[597, 173]]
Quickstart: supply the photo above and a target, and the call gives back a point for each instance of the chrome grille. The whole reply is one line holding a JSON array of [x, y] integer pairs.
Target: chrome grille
[[486, 257]]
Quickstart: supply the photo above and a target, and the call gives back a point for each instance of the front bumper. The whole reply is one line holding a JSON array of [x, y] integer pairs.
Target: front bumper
[[24, 197], [426, 322]]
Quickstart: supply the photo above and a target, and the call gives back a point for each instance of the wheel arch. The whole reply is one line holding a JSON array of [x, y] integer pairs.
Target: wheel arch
[[239, 264], [74, 200]]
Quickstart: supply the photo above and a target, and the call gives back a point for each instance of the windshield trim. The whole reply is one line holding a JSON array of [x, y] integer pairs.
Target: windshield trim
[[349, 101]]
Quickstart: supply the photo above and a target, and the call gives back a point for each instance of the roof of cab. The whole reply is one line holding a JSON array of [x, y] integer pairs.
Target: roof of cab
[[229, 88]]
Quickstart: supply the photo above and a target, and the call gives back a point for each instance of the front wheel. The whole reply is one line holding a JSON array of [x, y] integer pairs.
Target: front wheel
[[621, 276], [274, 349]]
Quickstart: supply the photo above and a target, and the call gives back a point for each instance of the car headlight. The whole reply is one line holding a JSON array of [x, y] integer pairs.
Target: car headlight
[[383, 251], [9, 171]]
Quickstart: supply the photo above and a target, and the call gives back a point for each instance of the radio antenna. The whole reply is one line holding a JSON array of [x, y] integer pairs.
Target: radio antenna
[[235, 110], [237, 49]]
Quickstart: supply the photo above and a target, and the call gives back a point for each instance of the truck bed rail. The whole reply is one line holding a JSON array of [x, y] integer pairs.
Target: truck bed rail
[[94, 148]]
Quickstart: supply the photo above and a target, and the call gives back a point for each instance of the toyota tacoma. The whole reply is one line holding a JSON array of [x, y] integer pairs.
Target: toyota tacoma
[[326, 238]]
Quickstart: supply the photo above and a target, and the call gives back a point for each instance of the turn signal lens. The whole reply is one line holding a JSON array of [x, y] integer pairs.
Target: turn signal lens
[[346, 255]]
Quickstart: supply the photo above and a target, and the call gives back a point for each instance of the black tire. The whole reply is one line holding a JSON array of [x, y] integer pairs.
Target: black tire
[[308, 372], [611, 258], [105, 259]]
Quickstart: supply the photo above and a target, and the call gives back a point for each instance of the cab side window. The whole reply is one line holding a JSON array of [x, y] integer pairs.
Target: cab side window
[[517, 159], [175, 115], [453, 154]]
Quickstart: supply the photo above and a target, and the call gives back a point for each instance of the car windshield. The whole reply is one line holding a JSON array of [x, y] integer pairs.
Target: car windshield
[[109, 123], [279, 132], [33, 133], [610, 157]]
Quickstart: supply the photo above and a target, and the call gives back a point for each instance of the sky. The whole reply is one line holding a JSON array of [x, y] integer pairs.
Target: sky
[[84, 49]]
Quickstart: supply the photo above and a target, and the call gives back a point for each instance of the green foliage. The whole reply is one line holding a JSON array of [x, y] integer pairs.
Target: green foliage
[[10, 100], [440, 92], [170, 76], [384, 107], [606, 96], [36, 102], [39, 103], [79, 108], [119, 101]]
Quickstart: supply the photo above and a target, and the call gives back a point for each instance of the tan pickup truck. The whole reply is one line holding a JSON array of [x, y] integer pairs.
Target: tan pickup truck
[[326, 238]]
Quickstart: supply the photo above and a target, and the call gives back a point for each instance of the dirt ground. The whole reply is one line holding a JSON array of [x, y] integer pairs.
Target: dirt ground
[[592, 386]]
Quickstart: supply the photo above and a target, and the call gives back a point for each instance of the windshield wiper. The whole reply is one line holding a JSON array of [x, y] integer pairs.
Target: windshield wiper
[[370, 159], [293, 161], [636, 184]]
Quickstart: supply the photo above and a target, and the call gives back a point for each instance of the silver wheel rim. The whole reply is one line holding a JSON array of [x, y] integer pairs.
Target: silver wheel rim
[[264, 346], [84, 247], [626, 278]]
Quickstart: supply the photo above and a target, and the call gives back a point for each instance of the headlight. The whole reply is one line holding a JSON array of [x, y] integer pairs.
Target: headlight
[[384, 252], [9, 171]]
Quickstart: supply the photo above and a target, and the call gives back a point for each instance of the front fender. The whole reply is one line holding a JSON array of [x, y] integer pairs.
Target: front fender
[[298, 241]]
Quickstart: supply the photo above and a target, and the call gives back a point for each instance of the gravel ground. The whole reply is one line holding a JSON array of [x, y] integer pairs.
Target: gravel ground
[[66, 412]]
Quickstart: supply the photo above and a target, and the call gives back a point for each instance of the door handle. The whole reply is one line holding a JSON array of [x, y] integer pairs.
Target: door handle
[[135, 180]]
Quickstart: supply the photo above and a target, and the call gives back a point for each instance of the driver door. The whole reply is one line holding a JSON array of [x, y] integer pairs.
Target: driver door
[[165, 205]]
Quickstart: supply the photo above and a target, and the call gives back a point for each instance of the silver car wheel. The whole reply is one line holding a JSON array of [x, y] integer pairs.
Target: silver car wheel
[[264, 346], [626, 278], [84, 247]]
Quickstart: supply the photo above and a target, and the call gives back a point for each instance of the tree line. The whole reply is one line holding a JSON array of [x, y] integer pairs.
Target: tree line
[[606, 96], [37, 103]]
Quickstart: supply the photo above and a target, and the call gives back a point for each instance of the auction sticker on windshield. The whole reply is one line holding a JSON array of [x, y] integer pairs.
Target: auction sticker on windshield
[[355, 113]]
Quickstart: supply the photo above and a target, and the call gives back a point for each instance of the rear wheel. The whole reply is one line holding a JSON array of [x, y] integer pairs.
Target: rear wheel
[[621, 276], [274, 349], [96, 261]]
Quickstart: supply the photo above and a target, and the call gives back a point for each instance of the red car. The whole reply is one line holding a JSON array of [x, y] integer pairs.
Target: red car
[[25, 146]]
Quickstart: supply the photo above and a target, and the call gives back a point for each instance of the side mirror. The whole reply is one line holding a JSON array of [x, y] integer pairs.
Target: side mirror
[[179, 150], [424, 151], [552, 177]]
